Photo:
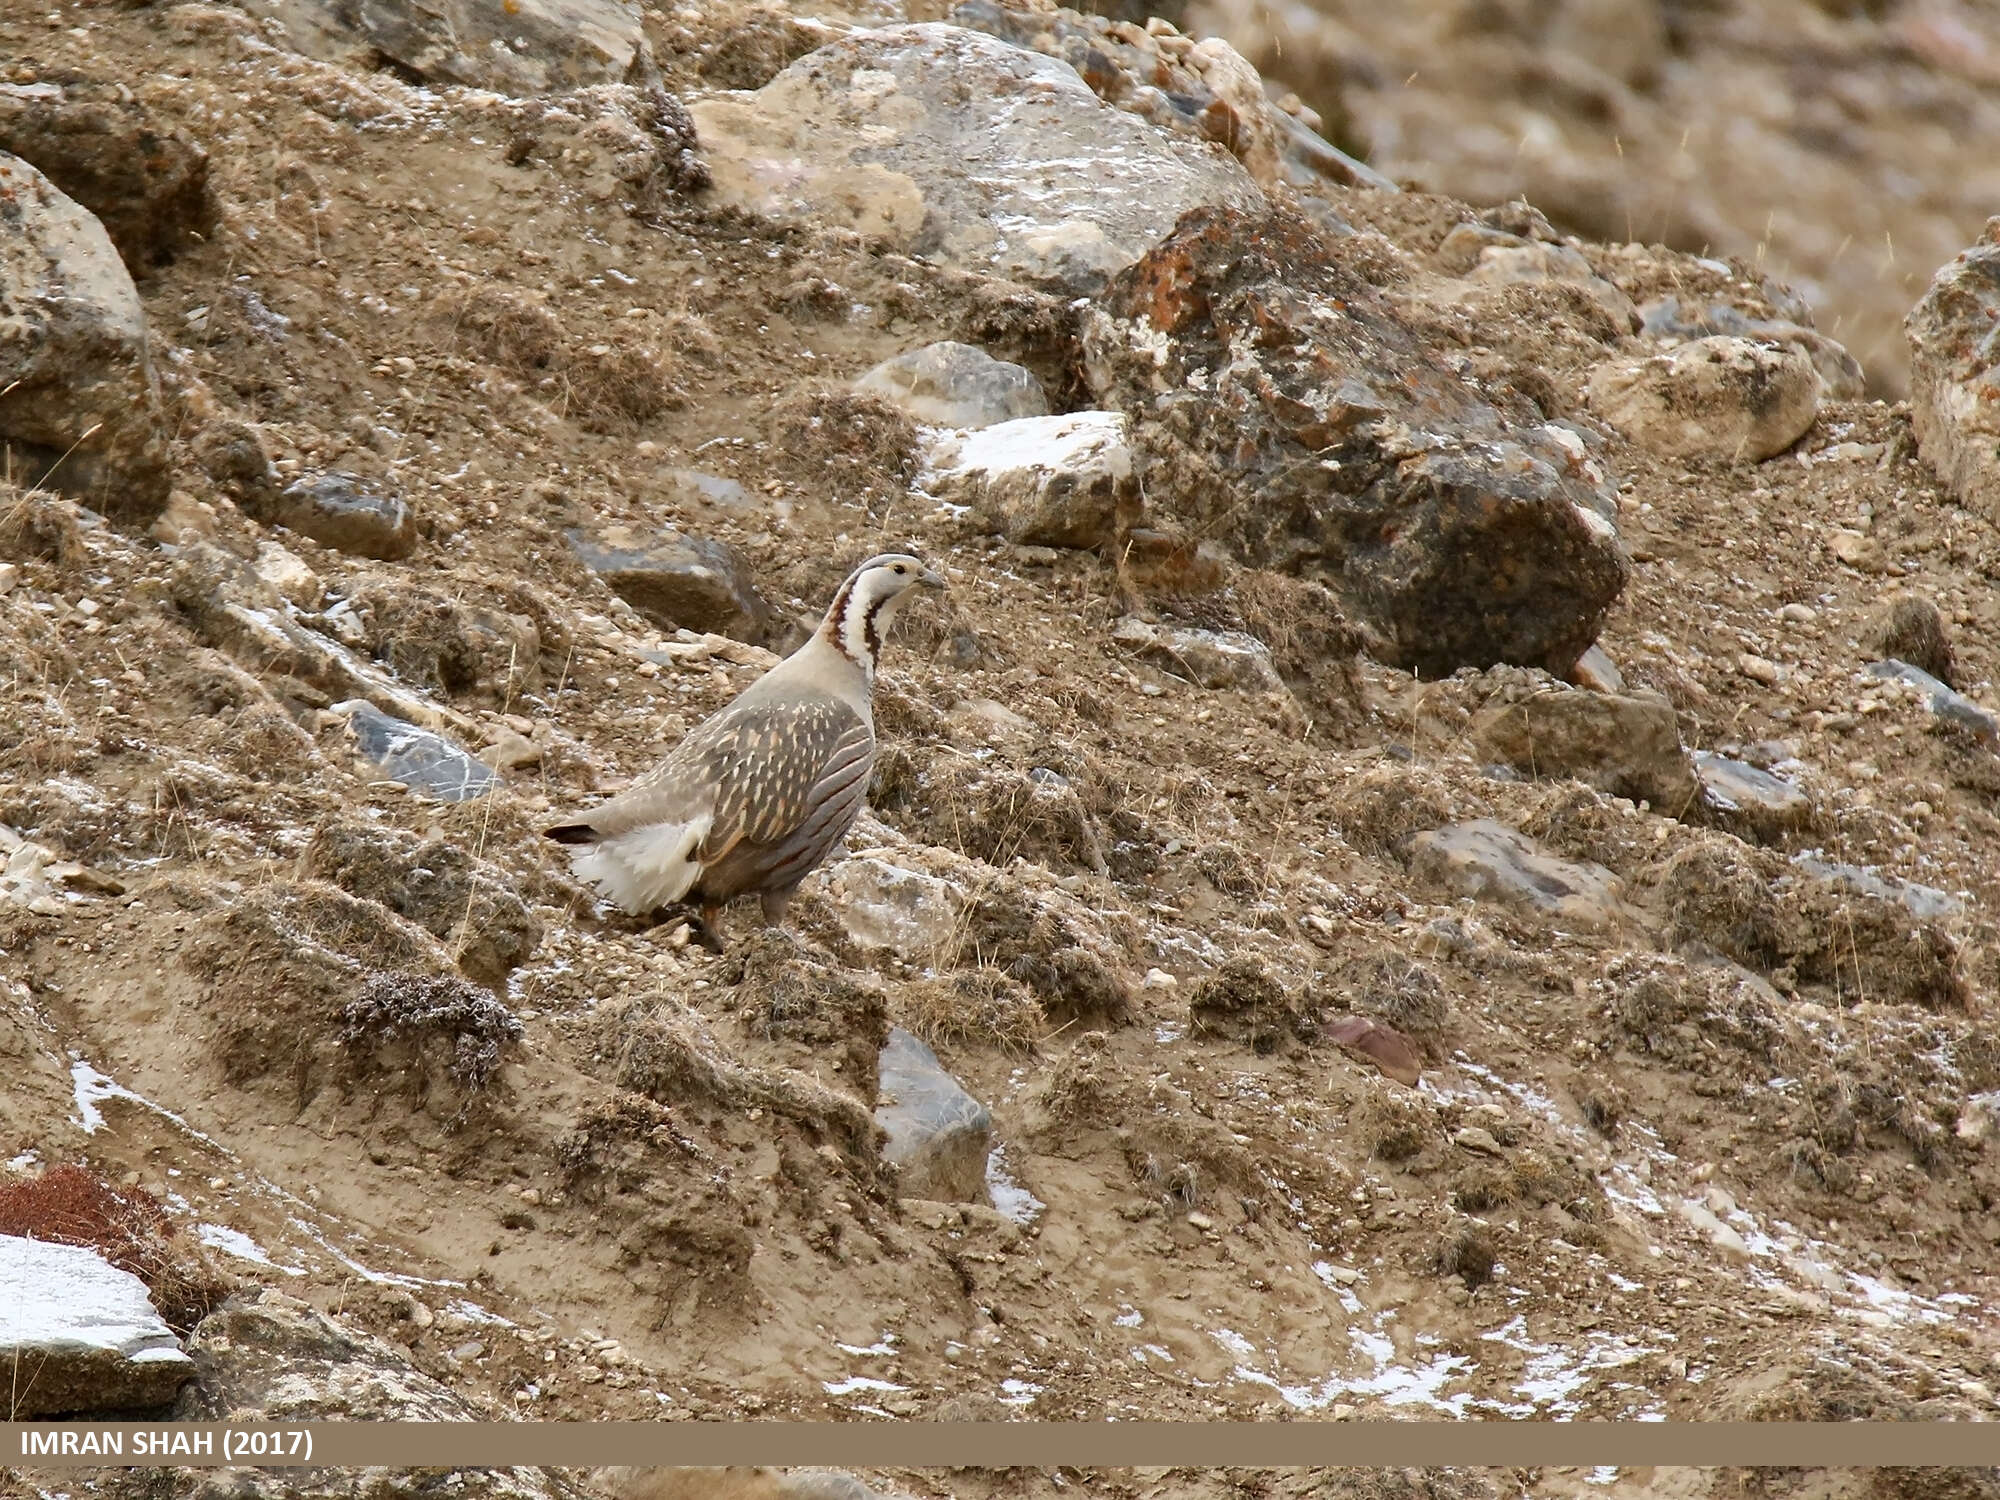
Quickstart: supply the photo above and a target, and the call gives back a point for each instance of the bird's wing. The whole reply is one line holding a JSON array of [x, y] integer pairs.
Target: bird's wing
[[677, 791], [773, 766]]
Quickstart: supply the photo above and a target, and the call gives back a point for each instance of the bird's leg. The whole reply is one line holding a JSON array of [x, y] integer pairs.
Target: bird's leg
[[706, 925], [775, 903]]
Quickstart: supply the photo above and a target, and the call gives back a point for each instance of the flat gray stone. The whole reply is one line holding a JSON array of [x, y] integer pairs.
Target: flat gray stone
[[1489, 861], [955, 385], [347, 513], [678, 582], [939, 1135], [1947, 703], [1765, 804], [80, 1335], [425, 762], [953, 144]]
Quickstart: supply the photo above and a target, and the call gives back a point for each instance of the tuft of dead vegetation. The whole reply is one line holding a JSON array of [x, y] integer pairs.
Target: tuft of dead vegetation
[[1910, 628], [630, 375], [35, 525], [984, 1007], [1376, 810], [72, 1205], [846, 440], [1245, 1001], [433, 1008]]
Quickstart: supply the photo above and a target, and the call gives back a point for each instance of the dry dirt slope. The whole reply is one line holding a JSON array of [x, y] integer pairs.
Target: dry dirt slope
[[1715, 1145]]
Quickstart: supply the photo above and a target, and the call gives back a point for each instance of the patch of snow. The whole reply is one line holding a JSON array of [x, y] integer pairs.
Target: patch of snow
[[1011, 1199], [65, 1301], [887, 1345], [855, 1383], [235, 1242]]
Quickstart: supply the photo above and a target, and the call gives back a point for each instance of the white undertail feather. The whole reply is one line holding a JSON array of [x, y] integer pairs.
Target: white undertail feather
[[647, 868]]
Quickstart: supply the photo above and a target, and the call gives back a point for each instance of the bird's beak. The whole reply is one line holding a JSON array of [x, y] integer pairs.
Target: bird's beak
[[930, 578]]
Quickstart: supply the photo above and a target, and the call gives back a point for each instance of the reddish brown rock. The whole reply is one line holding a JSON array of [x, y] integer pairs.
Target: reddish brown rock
[[1286, 408]]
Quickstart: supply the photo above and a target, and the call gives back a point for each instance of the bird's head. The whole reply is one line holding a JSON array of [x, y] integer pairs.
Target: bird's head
[[867, 602]]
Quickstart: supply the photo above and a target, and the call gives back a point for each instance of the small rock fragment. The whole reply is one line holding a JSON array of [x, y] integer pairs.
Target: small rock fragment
[[1758, 668], [939, 1135], [345, 512], [287, 572], [1477, 1139], [421, 760], [1596, 671], [1857, 549]]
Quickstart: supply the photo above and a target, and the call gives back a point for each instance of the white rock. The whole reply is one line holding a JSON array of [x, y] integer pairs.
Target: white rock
[[1063, 481], [1713, 397], [886, 906], [288, 573], [81, 1334]]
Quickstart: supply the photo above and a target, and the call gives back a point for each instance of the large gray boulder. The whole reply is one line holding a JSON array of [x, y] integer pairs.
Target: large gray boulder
[[1954, 333], [79, 401], [81, 1335], [954, 144]]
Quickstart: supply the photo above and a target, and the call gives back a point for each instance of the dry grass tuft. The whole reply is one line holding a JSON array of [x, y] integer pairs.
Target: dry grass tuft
[[37, 526], [984, 1007], [72, 1205], [422, 1008]]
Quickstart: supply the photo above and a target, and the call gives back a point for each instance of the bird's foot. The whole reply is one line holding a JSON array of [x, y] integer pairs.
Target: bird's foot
[[680, 925]]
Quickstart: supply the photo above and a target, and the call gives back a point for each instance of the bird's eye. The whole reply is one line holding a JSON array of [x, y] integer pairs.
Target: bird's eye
[[901, 569]]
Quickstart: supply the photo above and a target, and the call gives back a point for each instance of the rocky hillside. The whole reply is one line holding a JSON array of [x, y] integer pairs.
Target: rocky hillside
[[1436, 857], [1839, 143]]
